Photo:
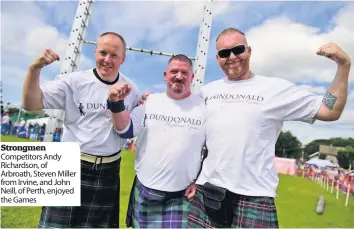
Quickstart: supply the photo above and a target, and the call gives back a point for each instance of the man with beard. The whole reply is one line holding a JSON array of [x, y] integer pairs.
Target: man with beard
[[83, 97], [170, 130], [245, 113]]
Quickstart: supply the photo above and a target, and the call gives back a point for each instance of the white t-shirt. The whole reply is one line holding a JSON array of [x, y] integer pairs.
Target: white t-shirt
[[171, 135], [83, 97], [244, 120], [5, 119]]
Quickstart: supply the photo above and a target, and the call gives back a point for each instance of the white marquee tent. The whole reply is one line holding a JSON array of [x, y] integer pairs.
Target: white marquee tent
[[320, 163]]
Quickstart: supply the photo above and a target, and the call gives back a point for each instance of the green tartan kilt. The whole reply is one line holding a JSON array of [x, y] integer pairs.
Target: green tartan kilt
[[247, 212], [100, 186], [151, 208]]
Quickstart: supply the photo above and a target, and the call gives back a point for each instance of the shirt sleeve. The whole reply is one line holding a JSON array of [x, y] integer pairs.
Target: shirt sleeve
[[54, 92], [298, 104], [137, 93]]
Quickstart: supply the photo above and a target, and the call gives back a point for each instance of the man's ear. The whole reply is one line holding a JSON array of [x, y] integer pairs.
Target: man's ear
[[250, 50], [164, 75], [192, 76], [123, 58]]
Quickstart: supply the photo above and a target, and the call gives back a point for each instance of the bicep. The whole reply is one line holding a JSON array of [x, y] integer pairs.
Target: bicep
[[325, 114]]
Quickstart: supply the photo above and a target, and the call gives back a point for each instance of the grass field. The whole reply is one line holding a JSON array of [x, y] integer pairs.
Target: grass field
[[296, 203]]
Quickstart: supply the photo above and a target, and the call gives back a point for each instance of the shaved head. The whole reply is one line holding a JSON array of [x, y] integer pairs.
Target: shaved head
[[230, 31]]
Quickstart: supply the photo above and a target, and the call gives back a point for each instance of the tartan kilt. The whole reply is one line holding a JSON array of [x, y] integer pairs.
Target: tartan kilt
[[150, 208], [100, 186], [247, 211]]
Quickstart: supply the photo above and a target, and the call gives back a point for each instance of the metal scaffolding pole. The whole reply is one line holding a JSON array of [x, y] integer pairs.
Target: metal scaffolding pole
[[77, 39], [151, 52], [202, 47], [71, 60]]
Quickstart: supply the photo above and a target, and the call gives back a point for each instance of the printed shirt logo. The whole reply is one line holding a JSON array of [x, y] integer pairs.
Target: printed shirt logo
[[81, 107], [175, 121], [85, 108], [236, 98]]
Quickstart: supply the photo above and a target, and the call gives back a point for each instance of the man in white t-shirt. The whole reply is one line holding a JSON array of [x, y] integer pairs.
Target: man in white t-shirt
[[245, 114], [5, 124], [171, 134], [83, 97]]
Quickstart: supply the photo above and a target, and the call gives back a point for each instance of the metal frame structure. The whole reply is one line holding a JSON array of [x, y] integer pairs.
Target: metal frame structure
[[202, 47], [77, 39], [1, 102]]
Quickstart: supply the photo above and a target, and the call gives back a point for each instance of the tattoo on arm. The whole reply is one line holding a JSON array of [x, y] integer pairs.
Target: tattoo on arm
[[329, 100]]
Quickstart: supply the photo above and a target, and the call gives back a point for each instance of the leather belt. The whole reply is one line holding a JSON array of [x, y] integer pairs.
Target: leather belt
[[99, 159]]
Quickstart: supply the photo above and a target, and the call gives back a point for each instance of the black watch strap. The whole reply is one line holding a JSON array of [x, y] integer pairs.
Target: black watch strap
[[115, 107]]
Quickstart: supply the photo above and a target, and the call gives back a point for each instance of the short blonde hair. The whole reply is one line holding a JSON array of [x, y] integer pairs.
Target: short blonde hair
[[229, 30], [117, 35]]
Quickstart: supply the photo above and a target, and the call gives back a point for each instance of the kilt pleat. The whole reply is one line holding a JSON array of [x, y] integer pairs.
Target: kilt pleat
[[198, 217], [248, 212], [255, 212], [100, 186], [150, 208]]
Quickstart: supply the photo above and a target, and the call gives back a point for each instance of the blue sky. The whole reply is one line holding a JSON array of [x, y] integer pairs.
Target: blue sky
[[284, 37]]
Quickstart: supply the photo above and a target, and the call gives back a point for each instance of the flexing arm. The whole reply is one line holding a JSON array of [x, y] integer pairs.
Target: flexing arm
[[120, 118], [32, 94], [336, 96], [127, 125]]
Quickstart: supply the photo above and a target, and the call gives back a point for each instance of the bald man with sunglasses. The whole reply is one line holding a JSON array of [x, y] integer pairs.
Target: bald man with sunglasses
[[245, 114]]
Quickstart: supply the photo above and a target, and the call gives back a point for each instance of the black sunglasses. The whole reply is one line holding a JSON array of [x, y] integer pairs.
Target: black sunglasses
[[237, 50]]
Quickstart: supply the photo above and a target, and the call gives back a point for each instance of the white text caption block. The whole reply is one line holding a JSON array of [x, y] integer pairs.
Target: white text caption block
[[40, 174]]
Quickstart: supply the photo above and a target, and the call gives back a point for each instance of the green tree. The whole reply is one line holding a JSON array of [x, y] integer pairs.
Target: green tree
[[343, 142], [346, 157], [288, 146], [314, 146], [13, 110]]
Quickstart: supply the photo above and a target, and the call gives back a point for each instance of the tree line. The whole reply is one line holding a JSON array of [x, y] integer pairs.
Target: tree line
[[289, 146]]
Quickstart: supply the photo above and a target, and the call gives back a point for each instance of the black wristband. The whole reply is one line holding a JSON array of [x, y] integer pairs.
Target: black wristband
[[115, 107]]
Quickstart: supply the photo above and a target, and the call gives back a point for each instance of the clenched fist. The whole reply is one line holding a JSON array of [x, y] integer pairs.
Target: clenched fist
[[45, 58], [119, 91], [335, 53]]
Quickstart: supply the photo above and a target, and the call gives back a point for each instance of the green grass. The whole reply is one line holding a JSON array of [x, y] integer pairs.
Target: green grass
[[15, 139], [296, 203]]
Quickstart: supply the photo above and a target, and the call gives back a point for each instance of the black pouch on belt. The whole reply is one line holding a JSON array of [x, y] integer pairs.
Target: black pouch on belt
[[217, 203]]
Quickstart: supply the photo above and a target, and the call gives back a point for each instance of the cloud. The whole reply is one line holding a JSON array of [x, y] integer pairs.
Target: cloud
[[345, 17], [285, 48], [165, 22], [351, 96], [161, 86], [44, 36], [316, 90], [23, 40]]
